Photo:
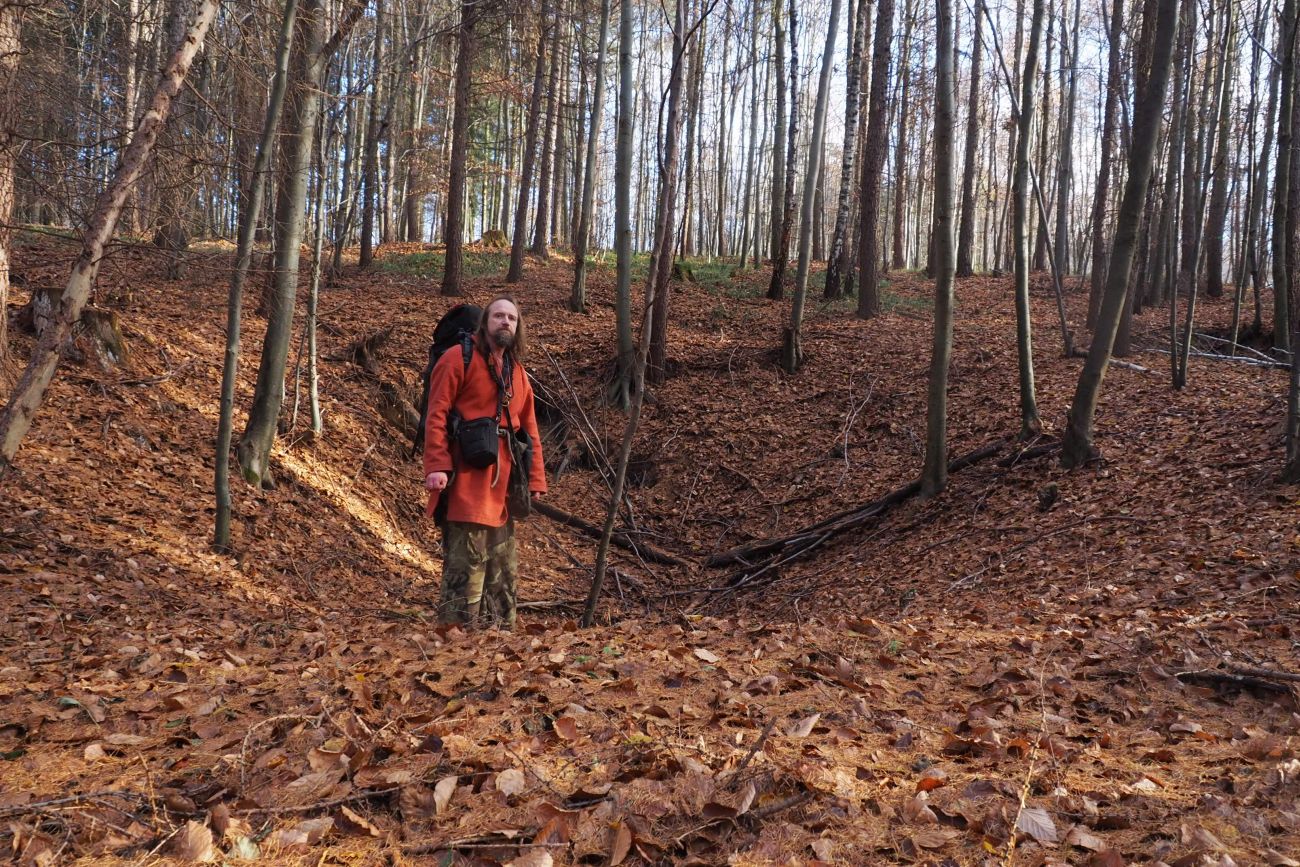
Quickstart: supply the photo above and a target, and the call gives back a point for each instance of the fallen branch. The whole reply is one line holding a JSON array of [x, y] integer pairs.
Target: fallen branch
[[1240, 681], [815, 534], [321, 805], [483, 841], [620, 539], [364, 351], [1266, 673]]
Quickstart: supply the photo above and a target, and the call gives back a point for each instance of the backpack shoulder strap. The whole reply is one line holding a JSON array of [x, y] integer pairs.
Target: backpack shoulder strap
[[466, 348]]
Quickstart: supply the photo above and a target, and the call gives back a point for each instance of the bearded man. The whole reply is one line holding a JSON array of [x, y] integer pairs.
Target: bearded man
[[473, 409]]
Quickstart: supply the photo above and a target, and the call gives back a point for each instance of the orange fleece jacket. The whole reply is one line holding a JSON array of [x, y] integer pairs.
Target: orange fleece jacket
[[473, 497]]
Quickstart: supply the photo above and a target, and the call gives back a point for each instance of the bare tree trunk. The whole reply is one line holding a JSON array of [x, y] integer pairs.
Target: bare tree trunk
[[872, 164], [778, 136], [966, 234], [1065, 148], [792, 350], [517, 241], [1030, 424], [1077, 446], [578, 300], [455, 226], [1114, 81], [904, 74], [838, 260], [11, 25], [374, 132], [29, 393], [1283, 169], [541, 225], [249, 212], [750, 206], [311, 53], [1218, 212], [694, 84], [657, 277], [776, 288], [934, 474], [626, 367], [659, 274]]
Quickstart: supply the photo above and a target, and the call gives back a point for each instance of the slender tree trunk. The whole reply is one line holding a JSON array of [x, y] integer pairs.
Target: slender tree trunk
[[751, 204], [694, 84], [1114, 81], [1030, 424], [251, 208], [901, 146], [370, 172], [28, 395], [1218, 212], [1283, 169], [792, 350], [578, 300], [838, 261], [541, 226], [778, 136], [1077, 446], [310, 56], [872, 164], [1065, 148], [659, 274], [454, 228], [934, 474], [517, 242], [966, 234], [1039, 261], [11, 24], [776, 288], [625, 367]]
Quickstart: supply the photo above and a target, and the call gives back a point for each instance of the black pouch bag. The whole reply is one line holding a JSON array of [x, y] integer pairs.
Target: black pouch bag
[[519, 502], [479, 440]]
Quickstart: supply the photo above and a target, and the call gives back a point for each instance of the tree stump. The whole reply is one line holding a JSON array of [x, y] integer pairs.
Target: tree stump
[[683, 272], [98, 334], [495, 238], [397, 410]]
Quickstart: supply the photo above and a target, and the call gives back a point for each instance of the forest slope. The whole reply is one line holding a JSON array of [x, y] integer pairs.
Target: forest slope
[[999, 665]]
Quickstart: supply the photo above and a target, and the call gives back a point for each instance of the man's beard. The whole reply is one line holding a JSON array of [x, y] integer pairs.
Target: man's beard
[[503, 339]]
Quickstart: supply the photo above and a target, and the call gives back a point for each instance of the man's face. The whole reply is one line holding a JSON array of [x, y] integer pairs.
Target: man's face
[[503, 321]]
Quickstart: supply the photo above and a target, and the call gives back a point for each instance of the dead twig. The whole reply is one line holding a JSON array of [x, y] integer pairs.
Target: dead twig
[[320, 805], [753, 751]]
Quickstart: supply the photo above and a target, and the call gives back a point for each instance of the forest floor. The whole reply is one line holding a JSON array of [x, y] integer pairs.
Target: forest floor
[[1035, 667]]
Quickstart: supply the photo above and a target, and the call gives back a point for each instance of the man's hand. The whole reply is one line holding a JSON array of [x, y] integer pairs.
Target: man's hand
[[436, 481], [536, 495]]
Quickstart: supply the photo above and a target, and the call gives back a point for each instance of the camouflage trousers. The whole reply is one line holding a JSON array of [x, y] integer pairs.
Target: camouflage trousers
[[480, 573]]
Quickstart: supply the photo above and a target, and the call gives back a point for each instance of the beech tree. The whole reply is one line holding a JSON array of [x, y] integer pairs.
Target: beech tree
[[873, 162]]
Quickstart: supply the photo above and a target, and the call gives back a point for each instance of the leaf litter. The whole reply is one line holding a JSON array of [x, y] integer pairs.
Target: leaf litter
[[968, 679]]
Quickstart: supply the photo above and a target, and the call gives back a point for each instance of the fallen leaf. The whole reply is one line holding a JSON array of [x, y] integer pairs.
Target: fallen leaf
[[1081, 837], [119, 739], [532, 858], [935, 838], [194, 843], [803, 727], [620, 845], [566, 727], [358, 824], [510, 782], [932, 779], [303, 835], [94, 752], [442, 793], [706, 655], [824, 849], [1035, 822]]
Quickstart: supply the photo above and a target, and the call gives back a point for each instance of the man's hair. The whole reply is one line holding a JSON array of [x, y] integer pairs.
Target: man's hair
[[519, 349]]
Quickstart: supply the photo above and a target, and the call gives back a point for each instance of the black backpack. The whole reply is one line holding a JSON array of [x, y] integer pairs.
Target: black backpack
[[457, 326]]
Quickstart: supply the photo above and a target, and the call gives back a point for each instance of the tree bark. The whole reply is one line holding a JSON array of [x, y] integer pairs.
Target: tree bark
[[310, 55], [1077, 447], [517, 242], [776, 288], [625, 368], [1114, 81], [542, 224], [1030, 424], [837, 262], [966, 234], [11, 25], [29, 393], [792, 351], [1283, 169], [248, 215], [578, 300], [374, 132], [454, 229], [934, 474], [872, 164]]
